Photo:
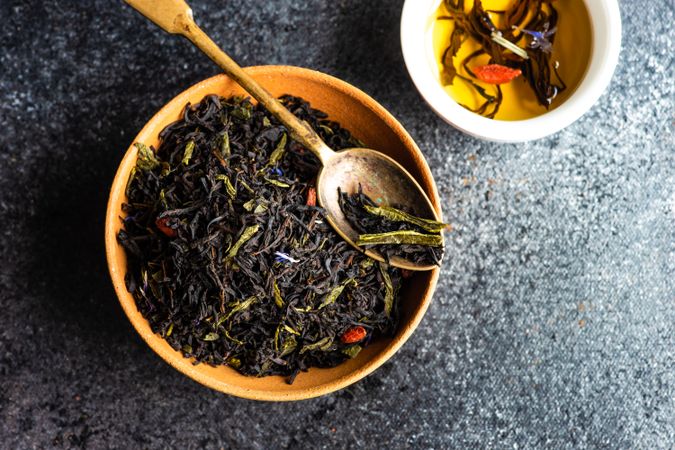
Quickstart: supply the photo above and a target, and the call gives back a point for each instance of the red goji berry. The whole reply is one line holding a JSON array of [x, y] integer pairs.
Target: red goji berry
[[496, 73], [354, 334], [163, 226], [311, 196]]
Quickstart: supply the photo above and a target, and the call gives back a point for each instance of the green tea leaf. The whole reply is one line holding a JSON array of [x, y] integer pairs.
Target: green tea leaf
[[233, 361], [189, 148], [187, 349], [211, 337], [170, 330], [277, 183], [323, 345], [249, 205], [225, 145], [260, 208], [396, 215], [236, 341], [290, 344], [241, 306], [248, 233], [291, 330], [129, 181], [220, 321], [242, 112], [335, 293], [231, 191], [276, 337], [388, 290], [352, 351], [246, 186], [146, 159], [162, 198], [166, 169], [266, 122], [278, 152], [401, 237], [277, 295]]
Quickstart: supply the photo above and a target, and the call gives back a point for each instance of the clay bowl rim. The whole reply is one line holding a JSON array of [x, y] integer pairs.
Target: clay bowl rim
[[174, 358]]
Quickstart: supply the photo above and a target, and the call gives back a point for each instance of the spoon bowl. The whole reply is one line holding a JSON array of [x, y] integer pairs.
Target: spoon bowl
[[382, 179]]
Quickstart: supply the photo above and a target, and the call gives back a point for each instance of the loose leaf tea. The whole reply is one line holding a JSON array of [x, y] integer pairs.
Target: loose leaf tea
[[229, 257], [515, 39], [393, 232]]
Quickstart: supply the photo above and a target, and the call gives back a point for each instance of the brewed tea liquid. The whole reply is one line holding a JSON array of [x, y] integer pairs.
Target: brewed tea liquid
[[572, 49]]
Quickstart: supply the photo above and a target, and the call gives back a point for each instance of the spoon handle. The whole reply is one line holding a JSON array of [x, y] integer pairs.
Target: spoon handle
[[175, 16]]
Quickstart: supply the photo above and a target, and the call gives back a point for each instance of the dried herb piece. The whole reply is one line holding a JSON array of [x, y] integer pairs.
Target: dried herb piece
[[401, 237], [354, 334], [247, 234], [352, 351], [146, 159], [189, 148], [496, 74]]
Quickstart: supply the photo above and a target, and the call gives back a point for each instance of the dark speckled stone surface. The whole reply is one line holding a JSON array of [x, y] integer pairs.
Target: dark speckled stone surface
[[554, 321]]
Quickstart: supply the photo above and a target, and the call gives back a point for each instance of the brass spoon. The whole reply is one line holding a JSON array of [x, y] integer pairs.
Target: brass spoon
[[382, 178]]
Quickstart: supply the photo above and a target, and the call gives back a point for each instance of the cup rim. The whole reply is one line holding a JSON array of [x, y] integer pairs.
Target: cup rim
[[184, 365], [605, 21]]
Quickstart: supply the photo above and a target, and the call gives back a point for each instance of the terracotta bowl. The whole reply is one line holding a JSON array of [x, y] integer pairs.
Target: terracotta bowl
[[369, 122]]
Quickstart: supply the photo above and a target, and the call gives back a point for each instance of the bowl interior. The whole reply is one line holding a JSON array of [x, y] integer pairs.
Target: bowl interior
[[416, 42], [369, 122]]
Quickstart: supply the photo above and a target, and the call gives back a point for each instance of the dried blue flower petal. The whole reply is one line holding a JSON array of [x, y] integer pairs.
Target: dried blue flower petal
[[284, 258], [540, 38]]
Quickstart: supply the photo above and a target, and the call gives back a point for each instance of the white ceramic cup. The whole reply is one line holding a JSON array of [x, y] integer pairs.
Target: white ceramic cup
[[417, 46]]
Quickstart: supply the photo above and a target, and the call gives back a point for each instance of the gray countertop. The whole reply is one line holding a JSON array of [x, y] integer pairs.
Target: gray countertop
[[553, 325]]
